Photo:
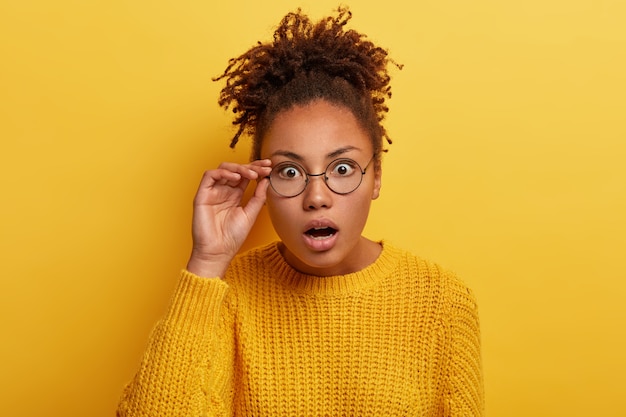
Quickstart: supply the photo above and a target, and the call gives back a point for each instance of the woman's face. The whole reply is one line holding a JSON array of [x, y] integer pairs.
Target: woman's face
[[321, 230]]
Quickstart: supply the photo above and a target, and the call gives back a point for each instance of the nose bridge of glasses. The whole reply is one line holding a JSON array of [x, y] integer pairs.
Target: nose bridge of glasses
[[322, 174], [317, 175]]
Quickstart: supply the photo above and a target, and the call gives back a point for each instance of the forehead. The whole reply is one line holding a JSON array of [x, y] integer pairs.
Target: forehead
[[315, 130]]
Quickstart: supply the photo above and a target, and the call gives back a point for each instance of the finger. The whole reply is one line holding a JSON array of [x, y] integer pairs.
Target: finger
[[212, 181], [263, 168], [225, 178], [249, 171], [219, 176], [253, 170], [255, 204], [261, 163]]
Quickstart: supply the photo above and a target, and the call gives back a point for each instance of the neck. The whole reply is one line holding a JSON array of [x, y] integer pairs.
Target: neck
[[361, 256]]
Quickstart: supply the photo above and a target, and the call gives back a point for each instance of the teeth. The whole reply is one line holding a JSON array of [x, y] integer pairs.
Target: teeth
[[321, 232]]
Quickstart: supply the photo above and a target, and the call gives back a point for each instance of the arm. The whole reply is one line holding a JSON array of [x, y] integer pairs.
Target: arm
[[188, 366], [464, 390]]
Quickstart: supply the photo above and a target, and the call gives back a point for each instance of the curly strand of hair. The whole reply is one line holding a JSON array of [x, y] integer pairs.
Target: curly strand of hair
[[300, 46]]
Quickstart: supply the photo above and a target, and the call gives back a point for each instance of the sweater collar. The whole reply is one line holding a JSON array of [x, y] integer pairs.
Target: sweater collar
[[331, 285]]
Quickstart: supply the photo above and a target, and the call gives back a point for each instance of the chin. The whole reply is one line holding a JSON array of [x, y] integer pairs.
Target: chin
[[323, 263]]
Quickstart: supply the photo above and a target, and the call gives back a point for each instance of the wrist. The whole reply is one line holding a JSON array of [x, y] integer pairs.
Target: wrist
[[207, 268]]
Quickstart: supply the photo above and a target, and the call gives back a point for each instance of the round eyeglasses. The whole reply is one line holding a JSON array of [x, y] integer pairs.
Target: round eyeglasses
[[342, 176]]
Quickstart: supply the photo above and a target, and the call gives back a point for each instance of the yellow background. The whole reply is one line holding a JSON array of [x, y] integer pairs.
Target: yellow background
[[508, 167]]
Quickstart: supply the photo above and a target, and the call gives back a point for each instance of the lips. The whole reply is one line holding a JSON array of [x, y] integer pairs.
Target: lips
[[320, 235]]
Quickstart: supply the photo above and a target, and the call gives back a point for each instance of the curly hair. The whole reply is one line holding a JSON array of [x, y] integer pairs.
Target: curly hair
[[308, 61]]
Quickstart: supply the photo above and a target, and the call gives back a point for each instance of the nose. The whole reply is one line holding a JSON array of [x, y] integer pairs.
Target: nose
[[317, 194]]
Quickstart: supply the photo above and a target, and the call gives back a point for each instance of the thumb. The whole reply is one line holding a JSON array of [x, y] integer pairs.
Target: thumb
[[256, 202]]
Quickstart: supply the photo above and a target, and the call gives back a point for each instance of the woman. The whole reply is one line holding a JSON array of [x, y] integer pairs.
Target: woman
[[325, 321]]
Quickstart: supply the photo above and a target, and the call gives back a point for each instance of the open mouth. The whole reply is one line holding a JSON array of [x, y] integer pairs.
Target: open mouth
[[321, 232]]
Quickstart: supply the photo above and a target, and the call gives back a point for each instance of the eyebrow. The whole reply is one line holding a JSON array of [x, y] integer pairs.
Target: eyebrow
[[333, 154]]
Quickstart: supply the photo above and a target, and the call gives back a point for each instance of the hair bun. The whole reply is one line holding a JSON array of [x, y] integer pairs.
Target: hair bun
[[301, 47]]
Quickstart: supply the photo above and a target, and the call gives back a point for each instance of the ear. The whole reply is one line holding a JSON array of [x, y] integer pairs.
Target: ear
[[378, 173]]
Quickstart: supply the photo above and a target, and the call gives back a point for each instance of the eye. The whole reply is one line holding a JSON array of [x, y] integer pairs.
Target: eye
[[288, 171], [343, 168]]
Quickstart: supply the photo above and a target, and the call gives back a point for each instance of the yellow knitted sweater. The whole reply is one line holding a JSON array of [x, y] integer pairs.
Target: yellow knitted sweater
[[399, 338]]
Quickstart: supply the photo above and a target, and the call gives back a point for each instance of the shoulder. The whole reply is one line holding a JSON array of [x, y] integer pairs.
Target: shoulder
[[415, 267], [431, 276]]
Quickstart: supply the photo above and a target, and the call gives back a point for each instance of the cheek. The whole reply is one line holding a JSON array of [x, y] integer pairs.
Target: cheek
[[356, 209], [369, 191], [280, 210]]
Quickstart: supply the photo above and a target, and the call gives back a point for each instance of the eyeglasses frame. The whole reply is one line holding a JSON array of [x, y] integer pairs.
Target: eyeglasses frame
[[306, 182]]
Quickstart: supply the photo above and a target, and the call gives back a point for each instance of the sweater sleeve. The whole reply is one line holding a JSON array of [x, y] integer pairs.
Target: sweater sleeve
[[187, 368], [464, 388]]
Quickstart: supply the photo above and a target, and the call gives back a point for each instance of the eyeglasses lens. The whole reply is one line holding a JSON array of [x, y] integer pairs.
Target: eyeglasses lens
[[342, 176]]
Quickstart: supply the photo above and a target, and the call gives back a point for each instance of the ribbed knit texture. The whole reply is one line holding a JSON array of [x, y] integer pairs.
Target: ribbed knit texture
[[399, 338]]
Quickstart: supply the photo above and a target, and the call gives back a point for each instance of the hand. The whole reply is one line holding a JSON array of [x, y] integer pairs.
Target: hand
[[220, 223]]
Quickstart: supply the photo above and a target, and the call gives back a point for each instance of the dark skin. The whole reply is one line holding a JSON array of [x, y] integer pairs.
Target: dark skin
[[220, 223], [314, 132]]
